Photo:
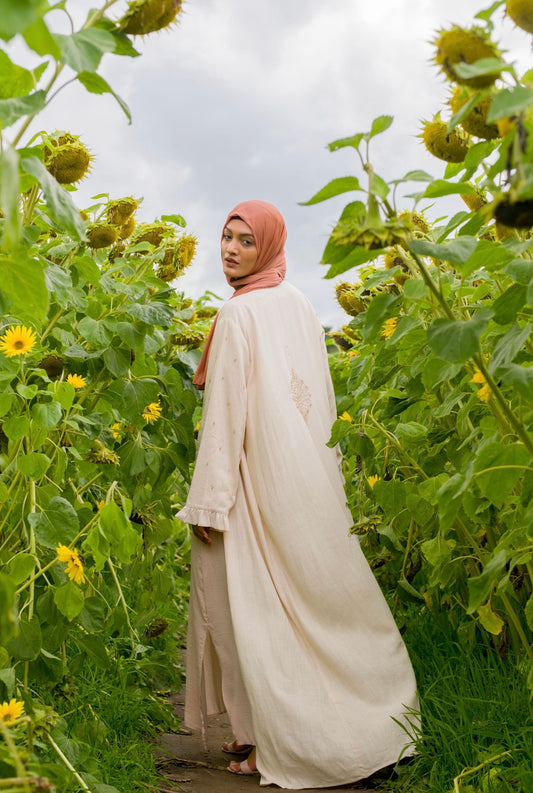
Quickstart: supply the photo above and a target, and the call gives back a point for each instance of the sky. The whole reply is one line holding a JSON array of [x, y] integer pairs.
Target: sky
[[240, 99]]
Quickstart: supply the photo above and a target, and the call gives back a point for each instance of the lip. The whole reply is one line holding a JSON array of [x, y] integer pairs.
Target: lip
[[231, 261]]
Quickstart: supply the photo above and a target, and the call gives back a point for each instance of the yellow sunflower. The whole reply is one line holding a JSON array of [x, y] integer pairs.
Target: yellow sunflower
[[11, 711], [389, 326], [71, 558], [484, 393], [152, 412], [372, 480], [346, 416], [17, 340], [76, 380]]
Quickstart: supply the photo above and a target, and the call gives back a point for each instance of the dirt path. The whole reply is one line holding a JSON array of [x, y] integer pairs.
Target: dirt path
[[189, 768]]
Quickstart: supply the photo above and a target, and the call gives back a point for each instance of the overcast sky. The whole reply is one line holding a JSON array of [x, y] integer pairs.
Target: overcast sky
[[239, 101]]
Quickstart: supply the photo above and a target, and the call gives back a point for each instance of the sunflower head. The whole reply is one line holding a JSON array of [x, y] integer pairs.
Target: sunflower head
[[101, 454], [153, 233], [120, 210], [187, 337], [147, 16], [152, 412], [11, 711], [53, 365], [101, 235], [76, 380], [17, 340], [66, 157], [415, 220], [447, 146], [126, 229], [462, 45], [475, 122], [474, 201], [521, 12]]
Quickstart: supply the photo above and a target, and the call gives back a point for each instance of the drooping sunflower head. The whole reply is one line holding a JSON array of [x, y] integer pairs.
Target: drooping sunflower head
[[448, 146], [462, 45], [119, 211], [126, 229], [147, 16], [186, 249], [348, 299], [188, 337], [521, 12], [66, 157], [101, 235], [474, 201], [101, 454], [475, 122], [17, 340], [53, 365], [415, 220], [154, 233]]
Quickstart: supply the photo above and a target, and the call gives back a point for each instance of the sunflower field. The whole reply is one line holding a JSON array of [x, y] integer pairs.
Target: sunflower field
[[98, 418], [433, 373], [97, 430]]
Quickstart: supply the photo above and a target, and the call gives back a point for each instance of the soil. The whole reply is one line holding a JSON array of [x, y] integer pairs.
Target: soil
[[188, 767]]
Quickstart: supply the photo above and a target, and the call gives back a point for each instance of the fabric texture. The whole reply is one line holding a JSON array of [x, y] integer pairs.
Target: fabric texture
[[326, 678], [270, 234]]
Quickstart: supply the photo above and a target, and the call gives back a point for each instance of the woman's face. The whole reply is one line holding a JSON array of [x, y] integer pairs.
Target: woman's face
[[238, 248]]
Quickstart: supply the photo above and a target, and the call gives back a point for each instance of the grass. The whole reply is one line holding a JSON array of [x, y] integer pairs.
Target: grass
[[476, 717]]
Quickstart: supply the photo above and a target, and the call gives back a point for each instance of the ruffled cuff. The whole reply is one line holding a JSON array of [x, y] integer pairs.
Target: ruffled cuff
[[197, 516]]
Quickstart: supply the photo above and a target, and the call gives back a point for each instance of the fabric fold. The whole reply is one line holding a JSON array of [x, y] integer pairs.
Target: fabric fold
[[197, 516]]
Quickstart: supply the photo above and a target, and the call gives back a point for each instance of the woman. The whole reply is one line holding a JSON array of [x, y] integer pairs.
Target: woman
[[288, 630]]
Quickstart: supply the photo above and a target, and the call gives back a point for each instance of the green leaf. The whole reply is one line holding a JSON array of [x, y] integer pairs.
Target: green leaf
[[177, 219], [153, 313], [438, 551], [18, 270], [498, 469], [27, 644], [487, 255], [510, 102], [57, 524], [8, 609], [40, 40], [457, 341], [118, 360], [17, 15], [456, 252], [509, 346], [481, 586], [60, 205], [377, 312], [352, 140], [358, 255], [96, 84], [390, 495], [33, 465], [442, 187], [69, 600], [94, 647], [16, 427], [119, 532], [507, 305], [95, 331], [437, 371], [17, 107], [9, 197], [16, 81], [7, 675], [93, 615], [518, 377], [46, 414], [64, 393], [490, 620], [6, 400], [342, 184], [83, 50], [379, 125], [20, 567], [483, 66], [27, 391]]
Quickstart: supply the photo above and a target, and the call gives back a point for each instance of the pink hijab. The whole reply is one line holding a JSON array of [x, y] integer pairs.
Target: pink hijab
[[268, 228]]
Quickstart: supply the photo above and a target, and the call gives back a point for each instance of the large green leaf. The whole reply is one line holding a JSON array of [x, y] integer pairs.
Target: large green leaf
[[57, 524], [154, 313], [119, 532], [20, 567], [509, 346], [96, 84], [498, 469], [9, 197], [16, 81], [342, 184], [19, 271], [69, 600], [46, 414], [83, 50], [8, 610], [33, 464], [26, 645], [18, 15], [17, 107], [456, 252], [358, 255], [481, 586], [40, 40], [441, 187], [510, 102], [520, 378], [507, 305], [457, 341], [62, 209]]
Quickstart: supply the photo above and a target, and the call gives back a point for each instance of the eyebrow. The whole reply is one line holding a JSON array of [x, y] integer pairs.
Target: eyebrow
[[246, 234]]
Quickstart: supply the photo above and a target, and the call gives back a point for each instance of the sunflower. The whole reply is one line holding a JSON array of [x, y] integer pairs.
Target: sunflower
[[17, 340], [76, 380], [484, 393], [389, 326], [11, 711], [346, 416], [372, 480], [152, 412], [72, 560]]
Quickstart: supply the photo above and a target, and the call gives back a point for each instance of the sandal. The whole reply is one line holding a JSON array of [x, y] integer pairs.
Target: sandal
[[231, 748], [242, 769]]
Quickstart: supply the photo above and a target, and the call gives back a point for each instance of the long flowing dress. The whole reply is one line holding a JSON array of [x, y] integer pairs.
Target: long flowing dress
[[289, 631]]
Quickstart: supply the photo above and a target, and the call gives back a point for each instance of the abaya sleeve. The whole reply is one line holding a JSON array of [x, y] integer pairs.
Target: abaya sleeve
[[221, 437]]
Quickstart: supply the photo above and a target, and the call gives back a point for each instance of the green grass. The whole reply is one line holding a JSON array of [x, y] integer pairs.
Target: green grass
[[475, 710]]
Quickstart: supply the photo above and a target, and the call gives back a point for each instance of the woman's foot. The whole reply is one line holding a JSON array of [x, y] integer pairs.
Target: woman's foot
[[245, 767], [237, 748]]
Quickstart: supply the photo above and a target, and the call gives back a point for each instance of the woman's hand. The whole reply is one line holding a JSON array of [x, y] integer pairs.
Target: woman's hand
[[202, 532]]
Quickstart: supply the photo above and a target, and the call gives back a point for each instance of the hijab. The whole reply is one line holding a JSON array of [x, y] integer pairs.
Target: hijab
[[268, 228]]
